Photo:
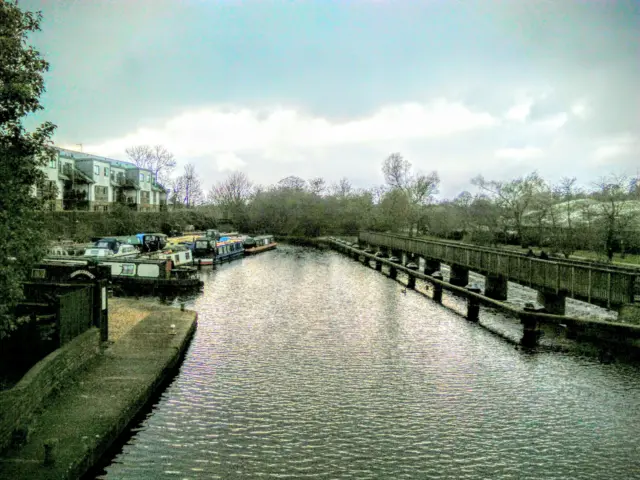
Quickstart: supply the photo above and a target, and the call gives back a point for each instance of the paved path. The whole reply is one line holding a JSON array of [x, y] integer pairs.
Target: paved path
[[89, 414]]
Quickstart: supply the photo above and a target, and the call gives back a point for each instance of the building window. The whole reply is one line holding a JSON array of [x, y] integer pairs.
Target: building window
[[101, 193], [106, 172], [52, 163], [142, 177], [96, 170]]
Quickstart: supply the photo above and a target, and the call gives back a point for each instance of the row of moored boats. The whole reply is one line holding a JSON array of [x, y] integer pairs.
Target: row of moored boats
[[156, 260]]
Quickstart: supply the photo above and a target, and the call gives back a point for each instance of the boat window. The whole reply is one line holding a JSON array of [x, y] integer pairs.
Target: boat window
[[188, 255], [127, 269], [176, 257], [202, 244]]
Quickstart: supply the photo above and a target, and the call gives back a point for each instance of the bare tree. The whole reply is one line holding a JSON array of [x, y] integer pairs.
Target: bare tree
[[193, 194], [612, 194], [343, 188], [231, 194], [514, 197], [418, 188], [155, 158], [462, 203], [176, 192], [565, 236], [377, 194], [397, 171], [292, 183], [317, 186]]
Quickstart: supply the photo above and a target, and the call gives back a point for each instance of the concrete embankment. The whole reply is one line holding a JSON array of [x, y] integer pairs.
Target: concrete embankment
[[83, 420]]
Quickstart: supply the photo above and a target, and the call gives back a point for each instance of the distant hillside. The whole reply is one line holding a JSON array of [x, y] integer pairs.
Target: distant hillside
[[583, 211]]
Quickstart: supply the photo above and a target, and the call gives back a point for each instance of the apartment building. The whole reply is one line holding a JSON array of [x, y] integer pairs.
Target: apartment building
[[82, 181]]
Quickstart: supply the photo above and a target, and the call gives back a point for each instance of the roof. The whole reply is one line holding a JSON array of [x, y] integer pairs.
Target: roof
[[88, 156]]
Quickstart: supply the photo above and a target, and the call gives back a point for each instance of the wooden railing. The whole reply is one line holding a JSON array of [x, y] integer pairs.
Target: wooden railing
[[602, 286]]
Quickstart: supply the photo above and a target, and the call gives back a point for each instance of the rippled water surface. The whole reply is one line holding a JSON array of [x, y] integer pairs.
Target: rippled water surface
[[308, 365]]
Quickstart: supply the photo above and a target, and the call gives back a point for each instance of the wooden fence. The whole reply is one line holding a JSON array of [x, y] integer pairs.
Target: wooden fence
[[602, 286]]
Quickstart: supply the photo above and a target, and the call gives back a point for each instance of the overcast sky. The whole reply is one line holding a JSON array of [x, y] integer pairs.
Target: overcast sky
[[330, 88]]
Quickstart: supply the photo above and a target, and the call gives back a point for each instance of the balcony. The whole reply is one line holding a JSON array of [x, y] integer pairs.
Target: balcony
[[120, 181]]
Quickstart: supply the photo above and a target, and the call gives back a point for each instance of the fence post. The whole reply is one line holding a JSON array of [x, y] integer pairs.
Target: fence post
[[573, 279], [103, 310]]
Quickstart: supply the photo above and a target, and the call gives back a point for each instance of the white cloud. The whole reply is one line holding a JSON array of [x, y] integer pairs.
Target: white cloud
[[524, 153], [519, 112], [581, 110], [215, 130], [554, 122], [229, 162], [617, 146]]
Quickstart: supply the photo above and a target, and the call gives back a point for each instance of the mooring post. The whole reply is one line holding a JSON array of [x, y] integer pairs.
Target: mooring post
[[378, 265], [393, 271], [412, 279], [473, 303], [530, 332], [437, 287]]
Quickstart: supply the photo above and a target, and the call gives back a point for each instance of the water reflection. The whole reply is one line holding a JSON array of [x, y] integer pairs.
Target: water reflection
[[308, 365]]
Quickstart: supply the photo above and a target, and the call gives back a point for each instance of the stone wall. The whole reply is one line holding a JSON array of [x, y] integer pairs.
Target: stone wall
[[19, 404]]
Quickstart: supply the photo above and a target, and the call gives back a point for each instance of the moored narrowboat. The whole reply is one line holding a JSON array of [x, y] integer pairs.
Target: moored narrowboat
[[144, 274], [179, 255], [204, 251], [261, 243], [207, 251], [228, 249]]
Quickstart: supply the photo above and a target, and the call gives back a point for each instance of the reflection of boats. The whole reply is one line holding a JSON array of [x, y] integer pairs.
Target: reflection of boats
[[261, 243]]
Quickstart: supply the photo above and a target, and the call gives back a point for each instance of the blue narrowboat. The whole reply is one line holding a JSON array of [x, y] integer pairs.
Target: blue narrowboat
[[207, 251]]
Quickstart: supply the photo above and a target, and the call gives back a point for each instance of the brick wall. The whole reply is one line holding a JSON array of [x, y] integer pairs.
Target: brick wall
[[19, 404]]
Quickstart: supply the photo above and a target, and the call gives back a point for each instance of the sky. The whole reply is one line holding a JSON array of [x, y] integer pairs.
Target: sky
[[331, 88]]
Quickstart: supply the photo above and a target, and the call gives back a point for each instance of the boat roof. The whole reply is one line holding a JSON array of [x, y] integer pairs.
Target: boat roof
[[226, 240]]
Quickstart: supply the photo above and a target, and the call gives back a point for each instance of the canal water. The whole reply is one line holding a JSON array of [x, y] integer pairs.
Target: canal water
[[306, 364]]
